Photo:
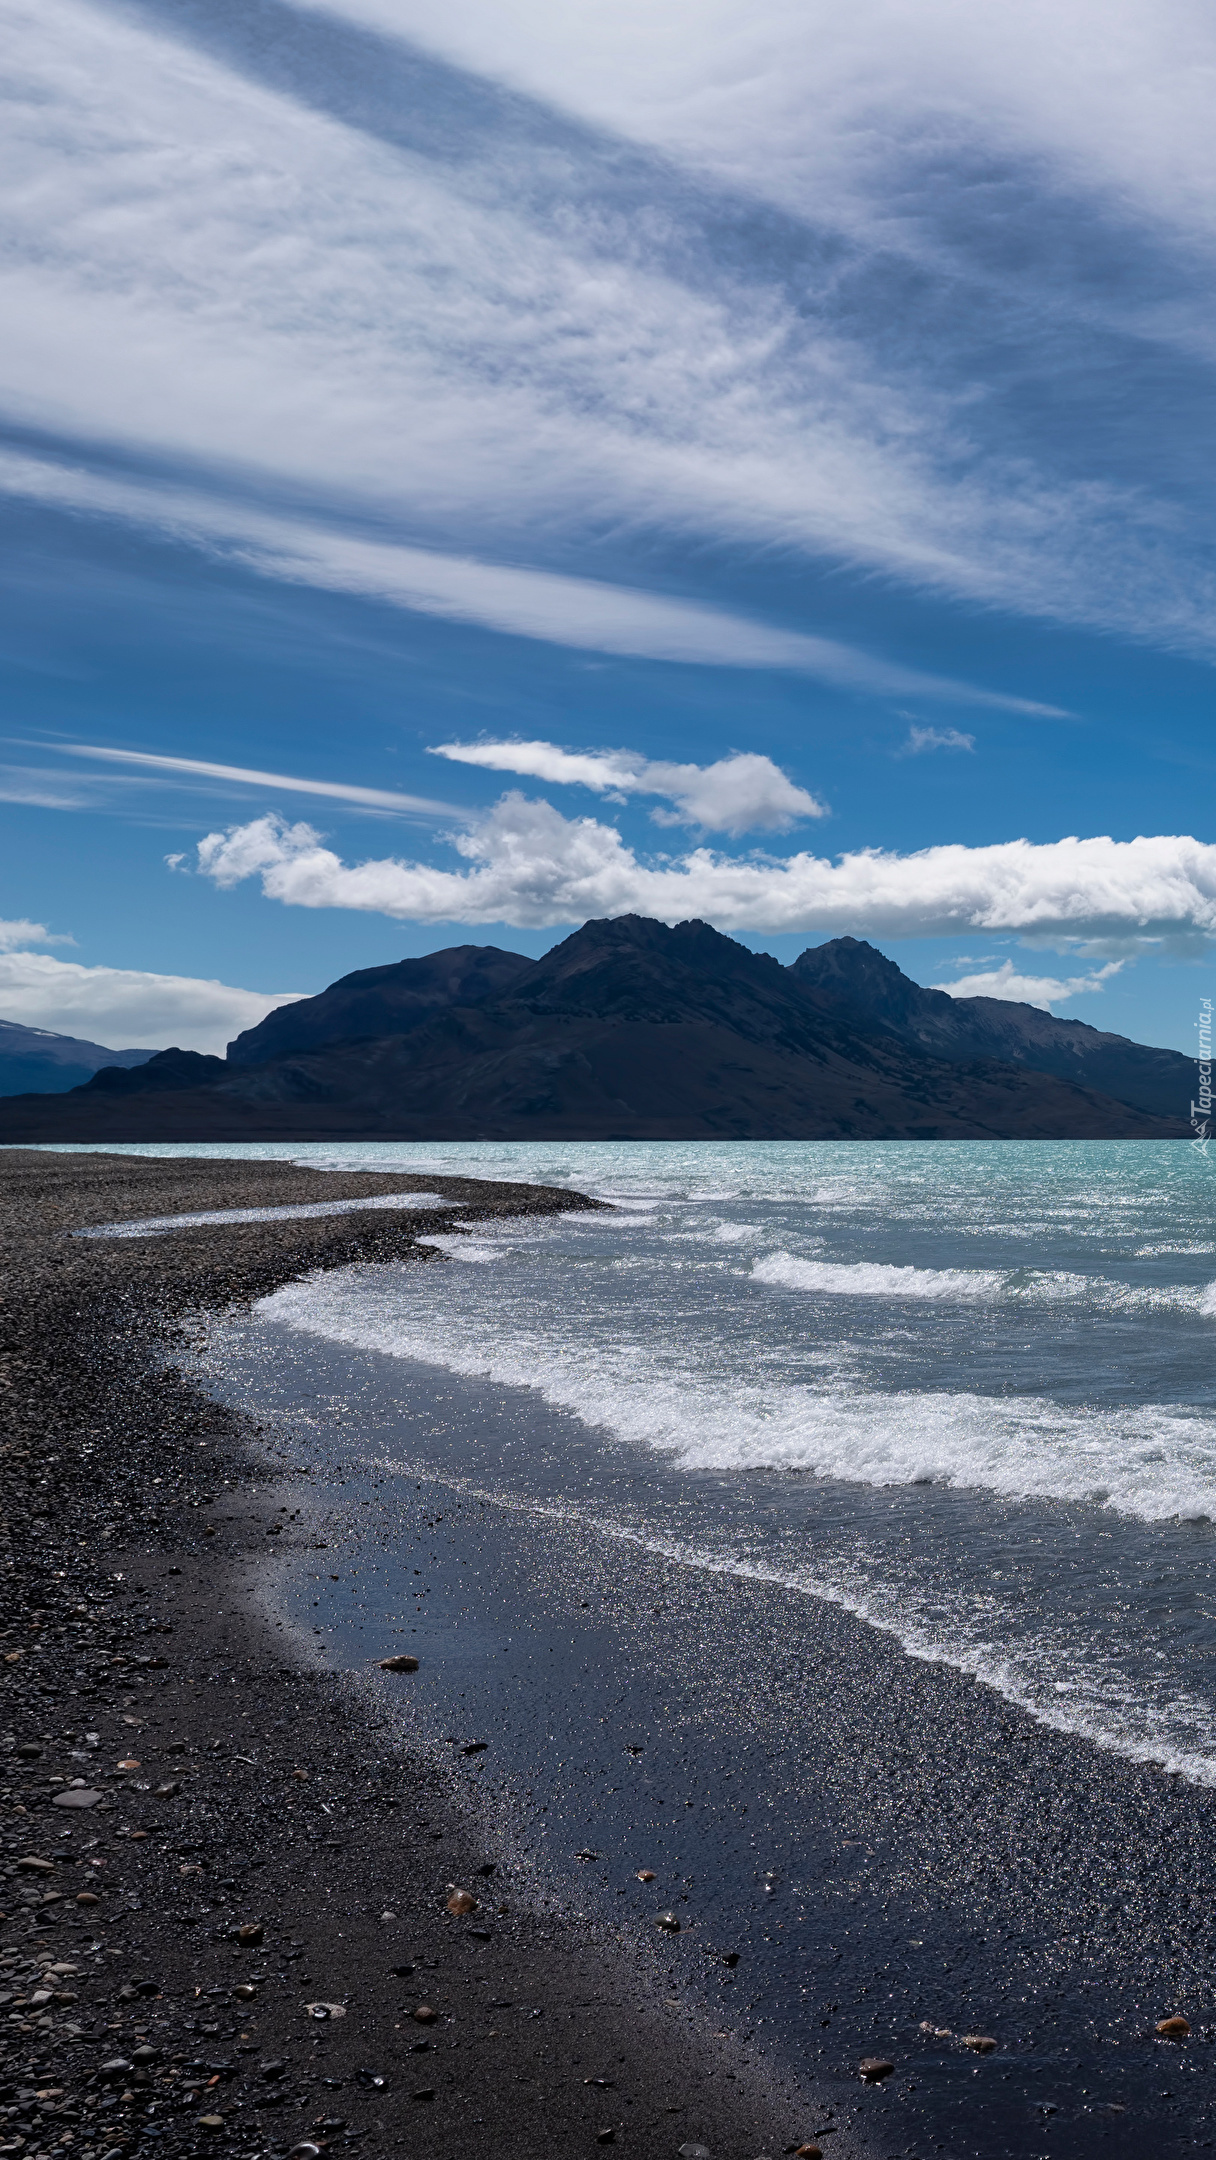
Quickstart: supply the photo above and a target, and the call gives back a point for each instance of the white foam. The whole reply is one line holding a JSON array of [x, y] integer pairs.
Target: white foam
[[1152, 1463], [880, 1279], [157, 1225], [868, 1278], [476, 1250]]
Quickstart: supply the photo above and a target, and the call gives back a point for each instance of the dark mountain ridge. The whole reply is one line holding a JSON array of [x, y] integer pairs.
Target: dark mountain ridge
[[628, 1029], [388, 1000], [854, 980], [38, 1061]]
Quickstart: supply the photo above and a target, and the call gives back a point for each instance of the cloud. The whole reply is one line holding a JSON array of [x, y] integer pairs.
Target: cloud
[[1045, 990], [245, 776], [737, 794], [127, 1009], [13, 935], [532, 867], [580, 612], [863, 296], [931, 738]]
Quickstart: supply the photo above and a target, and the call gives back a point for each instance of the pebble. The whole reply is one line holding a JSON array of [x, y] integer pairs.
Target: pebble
[[808, 2152], [399, 1664], [462, 1901], [424, 2015], [645, 1874], [305, 2150], [694, 2152], [874, 2069], [605, 2137], [670, 1921], [979, 2043], [1174, 2028], [211, 2122], [251, 1933], [76, 1796]]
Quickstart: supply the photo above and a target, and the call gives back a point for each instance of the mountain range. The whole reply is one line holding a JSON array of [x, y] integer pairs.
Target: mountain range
[[37, 1061], [630, 1029]]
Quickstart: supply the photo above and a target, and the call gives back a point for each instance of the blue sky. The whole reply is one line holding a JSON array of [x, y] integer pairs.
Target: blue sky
[[804, 423]]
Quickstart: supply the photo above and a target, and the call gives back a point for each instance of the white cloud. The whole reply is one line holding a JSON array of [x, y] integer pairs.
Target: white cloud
[[212, 270], [1112, 93], [741, 793], [1046, 990], [579, 612], [532, 867], [931, 738], [13, 935], [127, 1009], [246, 776]]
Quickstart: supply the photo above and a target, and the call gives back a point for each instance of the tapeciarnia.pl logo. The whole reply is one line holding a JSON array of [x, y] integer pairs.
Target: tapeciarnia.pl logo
[[1201, 1111]]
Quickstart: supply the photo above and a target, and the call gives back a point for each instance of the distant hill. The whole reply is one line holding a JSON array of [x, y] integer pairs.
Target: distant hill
[[851, 979], [36, 1061], [627, 1030]]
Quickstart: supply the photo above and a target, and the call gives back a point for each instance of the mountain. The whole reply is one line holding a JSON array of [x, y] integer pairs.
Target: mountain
[[36, 1061], [164, 1069], [626, 1030], [851, 979], [381, 1001]]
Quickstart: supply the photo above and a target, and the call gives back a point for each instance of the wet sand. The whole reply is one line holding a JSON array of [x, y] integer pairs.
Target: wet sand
[[881, 1844]]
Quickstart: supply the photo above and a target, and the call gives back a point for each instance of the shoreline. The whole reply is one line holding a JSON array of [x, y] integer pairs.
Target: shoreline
[[958, 1864], [941, 1863], [262, 1795]]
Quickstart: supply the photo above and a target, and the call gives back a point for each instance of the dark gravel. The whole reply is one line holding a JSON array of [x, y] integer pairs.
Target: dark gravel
[[256, 1797]]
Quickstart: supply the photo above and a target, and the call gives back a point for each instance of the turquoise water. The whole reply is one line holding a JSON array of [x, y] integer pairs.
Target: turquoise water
[[964, 1389]]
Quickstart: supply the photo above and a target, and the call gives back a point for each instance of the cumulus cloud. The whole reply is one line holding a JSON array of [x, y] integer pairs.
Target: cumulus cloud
[[124, 1008], [931, 738], [15, 934], [532, 867], [1017, 989], [741, 793]]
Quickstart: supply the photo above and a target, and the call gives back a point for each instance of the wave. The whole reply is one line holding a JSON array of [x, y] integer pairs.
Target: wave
[[476, 1250], [877, 1279], [1151, 1463], [868, 1278]]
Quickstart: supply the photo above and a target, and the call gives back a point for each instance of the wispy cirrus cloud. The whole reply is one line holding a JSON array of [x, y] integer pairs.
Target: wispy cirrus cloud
[[921, 739], [584, 613], [266, 269], [191, 769], [740, 793], [530, 866]]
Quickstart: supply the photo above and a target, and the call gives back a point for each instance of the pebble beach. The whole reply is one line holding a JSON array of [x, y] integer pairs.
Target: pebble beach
[[226, 1918]]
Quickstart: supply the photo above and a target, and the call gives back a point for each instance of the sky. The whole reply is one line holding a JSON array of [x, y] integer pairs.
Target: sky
[[464, 470]]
